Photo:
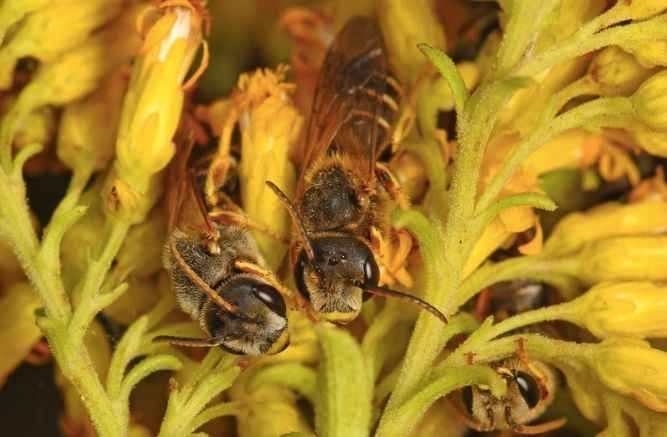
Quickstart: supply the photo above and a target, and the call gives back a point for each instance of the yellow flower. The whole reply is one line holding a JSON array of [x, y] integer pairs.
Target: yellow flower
[[639, 9], [270, 125], [404, 28], [649, 140], [626, 309], [77, 72], [616, 72], [650, 102], [153, 103], [46, 33], [13, 11], [623, 259], [634, 369], [606, 220], [87, 131], [588, 401], [17, 322]]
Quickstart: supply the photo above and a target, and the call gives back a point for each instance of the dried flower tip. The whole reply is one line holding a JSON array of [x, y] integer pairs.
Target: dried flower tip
[[650, 102]]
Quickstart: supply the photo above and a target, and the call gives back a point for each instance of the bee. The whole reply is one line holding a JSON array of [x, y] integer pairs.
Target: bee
[[344, 196], [219, 277], [531, 385]]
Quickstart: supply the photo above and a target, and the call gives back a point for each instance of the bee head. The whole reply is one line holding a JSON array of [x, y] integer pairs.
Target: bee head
[[334, 278], [259, 328], [520, 405]]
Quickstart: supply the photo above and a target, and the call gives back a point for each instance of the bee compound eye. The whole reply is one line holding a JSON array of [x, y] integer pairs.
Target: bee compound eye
[[371, 272], [271, 298], [528, 388], [300, 273], [466, 397]]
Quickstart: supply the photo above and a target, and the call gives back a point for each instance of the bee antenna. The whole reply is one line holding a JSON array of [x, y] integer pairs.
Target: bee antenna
[[386, 292], [199, 282], [291, 209], [191, 342]]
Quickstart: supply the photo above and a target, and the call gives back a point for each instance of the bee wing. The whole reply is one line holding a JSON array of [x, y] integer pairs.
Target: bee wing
[[185, 203], [347, 105]]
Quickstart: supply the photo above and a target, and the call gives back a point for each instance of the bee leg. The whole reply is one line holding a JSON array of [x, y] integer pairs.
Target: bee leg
[[240, 219], [391, 185], [483, 304]]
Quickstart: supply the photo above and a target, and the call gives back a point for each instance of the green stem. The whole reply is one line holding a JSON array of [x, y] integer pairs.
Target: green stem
[[87, 292], [543, 132], [76, 186], [16, 228], [525, 267], [224, 409], [584, 42]]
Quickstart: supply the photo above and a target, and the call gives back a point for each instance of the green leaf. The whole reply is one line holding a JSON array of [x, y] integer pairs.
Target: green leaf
[[296, 376], [343, 397], [448, 70]]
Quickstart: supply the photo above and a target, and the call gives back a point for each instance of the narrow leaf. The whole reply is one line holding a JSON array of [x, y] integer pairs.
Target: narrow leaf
[[448, 70]]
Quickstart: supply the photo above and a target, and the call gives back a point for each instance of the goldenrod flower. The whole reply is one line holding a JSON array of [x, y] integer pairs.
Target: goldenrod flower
[[626, 309], [640, 9], [46, 33], [17, 323], [13, 11], [606, 220], [623, 259], [579, 148], [154, 98], [650, 102], [404, 28], [76, 73], [270, 125], [38, 127], [616, 72], [87, 131], [632, 368], [649, 140]]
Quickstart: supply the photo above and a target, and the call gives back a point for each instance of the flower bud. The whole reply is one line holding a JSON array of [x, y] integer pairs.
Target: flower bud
[[13, 11], [639, 9], [87, 132], [17, 321], [650, 102], [154, 100], [141, 252], [77, 72], [616, 72], [404, 28], [634, 369], [588, 401], [626, 309], [46, 33], [623, 259], [39, 127], [606, 220], [649, 140]]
